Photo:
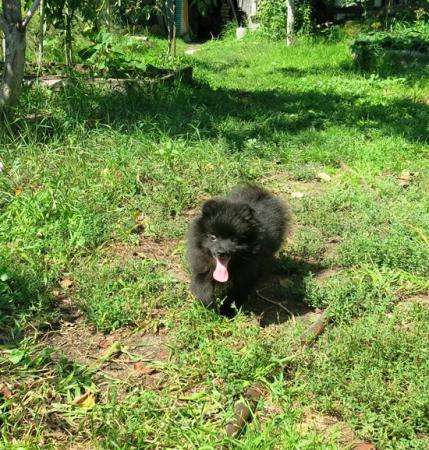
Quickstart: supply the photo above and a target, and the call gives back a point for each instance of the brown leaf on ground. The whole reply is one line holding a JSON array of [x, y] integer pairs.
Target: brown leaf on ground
[[5, 391], [406, 178], [158, 312], [104, 342], [143, 369], [66, 283], [364, 446]]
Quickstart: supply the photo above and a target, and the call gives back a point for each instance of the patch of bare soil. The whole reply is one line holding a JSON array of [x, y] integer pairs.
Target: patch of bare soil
[[192, 49], [405, 307], [421, 299], [324, 275], [278, 300], [120, 355], [81, 343], [273, 306], [280, 297], [283, 184], [331, 248], [166, 250], [328, 425]]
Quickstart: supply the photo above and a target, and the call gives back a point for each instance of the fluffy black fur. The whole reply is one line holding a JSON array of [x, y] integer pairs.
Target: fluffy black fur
[[244, 230]]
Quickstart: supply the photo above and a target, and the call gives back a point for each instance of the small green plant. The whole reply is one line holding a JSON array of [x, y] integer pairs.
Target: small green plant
[[124, 55], [114, 56]]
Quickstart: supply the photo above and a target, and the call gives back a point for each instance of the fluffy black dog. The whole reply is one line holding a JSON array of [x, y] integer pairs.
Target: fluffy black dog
[[231, 243]]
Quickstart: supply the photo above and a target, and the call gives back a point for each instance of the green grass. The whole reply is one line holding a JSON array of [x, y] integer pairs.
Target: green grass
[[98, 188]]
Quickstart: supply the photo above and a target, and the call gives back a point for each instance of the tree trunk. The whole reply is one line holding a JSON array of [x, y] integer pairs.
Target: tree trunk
[[290, 22], [42, 32], [108, 14], [173, 41], [170, 19], [14, 58], [68, 40]]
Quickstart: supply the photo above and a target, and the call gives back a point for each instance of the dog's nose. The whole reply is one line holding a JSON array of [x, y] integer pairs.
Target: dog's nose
[[222, 254]]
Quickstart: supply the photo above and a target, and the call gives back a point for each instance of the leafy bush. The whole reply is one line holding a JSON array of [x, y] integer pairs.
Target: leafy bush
[[371, 50], [272, 18], [115, 55], [107, 54]]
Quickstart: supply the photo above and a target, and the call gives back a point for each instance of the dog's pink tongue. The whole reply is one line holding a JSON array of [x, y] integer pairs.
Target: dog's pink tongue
[[221, 272]]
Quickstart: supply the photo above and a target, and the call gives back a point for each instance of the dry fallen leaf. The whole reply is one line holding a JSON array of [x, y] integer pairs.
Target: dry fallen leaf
[[5, 391], [406, 177], [66, 283], [143, 369], [322, 176], [86, 400], [365, 446], [297, 194], [104, 342]]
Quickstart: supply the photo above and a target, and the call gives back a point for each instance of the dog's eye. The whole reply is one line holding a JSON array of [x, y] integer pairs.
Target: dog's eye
[[212, 237]]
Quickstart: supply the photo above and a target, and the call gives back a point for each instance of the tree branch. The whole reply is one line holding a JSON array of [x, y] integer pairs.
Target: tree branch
[[30, 13]]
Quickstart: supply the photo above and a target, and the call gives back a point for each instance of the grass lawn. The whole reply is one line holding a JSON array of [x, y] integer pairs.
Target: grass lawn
[[101, 345]]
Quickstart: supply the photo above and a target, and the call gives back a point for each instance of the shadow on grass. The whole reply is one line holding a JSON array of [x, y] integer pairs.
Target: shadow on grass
[[21, 297], [411, 71], [234, 115], [282, 294]]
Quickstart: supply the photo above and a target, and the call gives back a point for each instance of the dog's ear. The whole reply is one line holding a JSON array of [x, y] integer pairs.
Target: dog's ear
[[210, 207], [247, 213]]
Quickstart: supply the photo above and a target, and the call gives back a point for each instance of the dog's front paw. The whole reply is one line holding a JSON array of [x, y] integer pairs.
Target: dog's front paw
[[207, 302], [203, 291]]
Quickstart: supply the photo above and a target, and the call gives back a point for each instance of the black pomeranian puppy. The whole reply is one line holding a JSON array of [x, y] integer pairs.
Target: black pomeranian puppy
[[231, 243]]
